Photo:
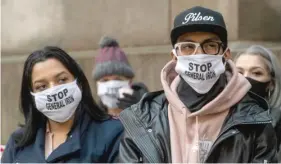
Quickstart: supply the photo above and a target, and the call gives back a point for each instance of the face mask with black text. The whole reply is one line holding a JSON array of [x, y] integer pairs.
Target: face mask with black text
[[109, 92], [60, 102], [200, 71]]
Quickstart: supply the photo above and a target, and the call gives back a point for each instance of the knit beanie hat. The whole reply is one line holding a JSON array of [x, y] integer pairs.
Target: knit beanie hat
[[111, 60]]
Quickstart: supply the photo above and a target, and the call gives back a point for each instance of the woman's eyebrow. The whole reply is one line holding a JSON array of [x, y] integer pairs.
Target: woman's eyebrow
[[39, 81], [257, 67], [61, 73]]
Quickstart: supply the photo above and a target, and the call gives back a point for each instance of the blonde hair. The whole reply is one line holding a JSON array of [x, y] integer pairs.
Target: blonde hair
[[274, 67]]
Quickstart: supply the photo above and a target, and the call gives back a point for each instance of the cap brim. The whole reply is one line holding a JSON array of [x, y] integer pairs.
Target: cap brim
[[218, 30]]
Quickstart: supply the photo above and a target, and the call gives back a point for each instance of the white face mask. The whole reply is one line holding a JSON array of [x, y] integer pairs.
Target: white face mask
[[109, 92], [200, 71], [60, 102]]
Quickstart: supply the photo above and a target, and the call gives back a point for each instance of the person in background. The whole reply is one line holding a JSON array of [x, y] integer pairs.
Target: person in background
[[62, 121], [205, 113], [262, 69], [2, 148], [114, 78]]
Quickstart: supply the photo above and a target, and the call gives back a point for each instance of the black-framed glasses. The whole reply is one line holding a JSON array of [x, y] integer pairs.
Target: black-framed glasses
[[189, 48]]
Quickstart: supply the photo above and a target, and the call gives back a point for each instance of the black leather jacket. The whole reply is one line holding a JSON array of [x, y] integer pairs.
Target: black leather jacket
[[246, 136], [276, 116]]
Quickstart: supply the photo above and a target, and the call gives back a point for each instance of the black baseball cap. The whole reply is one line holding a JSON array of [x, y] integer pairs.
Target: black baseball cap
[[199, 19]]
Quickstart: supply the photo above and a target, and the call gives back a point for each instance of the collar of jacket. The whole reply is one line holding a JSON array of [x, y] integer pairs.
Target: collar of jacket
[[252, 109], [72, 143], [140, 120]]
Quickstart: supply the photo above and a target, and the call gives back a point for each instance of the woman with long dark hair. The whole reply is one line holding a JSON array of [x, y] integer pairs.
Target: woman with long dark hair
[[62, 121]]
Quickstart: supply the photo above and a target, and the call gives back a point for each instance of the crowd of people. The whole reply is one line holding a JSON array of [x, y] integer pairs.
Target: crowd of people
[[213, 108]]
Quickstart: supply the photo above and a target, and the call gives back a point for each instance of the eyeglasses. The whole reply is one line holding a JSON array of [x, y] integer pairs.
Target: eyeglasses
[[189, 48]]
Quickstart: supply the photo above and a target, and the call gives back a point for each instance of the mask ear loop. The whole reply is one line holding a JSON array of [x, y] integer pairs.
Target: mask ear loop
[[175, 53], [270, 90], [225, 60]]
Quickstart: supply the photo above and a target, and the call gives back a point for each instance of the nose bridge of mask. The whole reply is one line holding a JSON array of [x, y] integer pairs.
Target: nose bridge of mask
[[111, 87], [199, 63], [52, 89]]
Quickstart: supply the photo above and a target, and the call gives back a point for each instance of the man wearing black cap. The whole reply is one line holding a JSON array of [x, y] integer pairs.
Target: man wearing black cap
[[205, 112]]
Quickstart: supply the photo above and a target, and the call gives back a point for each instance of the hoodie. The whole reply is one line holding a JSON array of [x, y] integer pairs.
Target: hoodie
[[192, 134]]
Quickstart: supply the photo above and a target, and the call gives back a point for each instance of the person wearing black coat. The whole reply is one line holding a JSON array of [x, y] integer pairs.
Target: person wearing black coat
[[262, 68], [205, 112]]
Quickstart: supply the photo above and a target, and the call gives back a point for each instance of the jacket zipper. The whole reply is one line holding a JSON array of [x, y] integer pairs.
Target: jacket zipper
[[221, 134]]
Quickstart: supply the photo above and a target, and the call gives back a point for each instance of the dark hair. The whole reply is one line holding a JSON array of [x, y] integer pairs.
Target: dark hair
[[33, 118]]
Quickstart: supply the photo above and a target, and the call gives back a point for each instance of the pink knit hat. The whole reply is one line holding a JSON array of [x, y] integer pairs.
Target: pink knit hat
[[111, 60]]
